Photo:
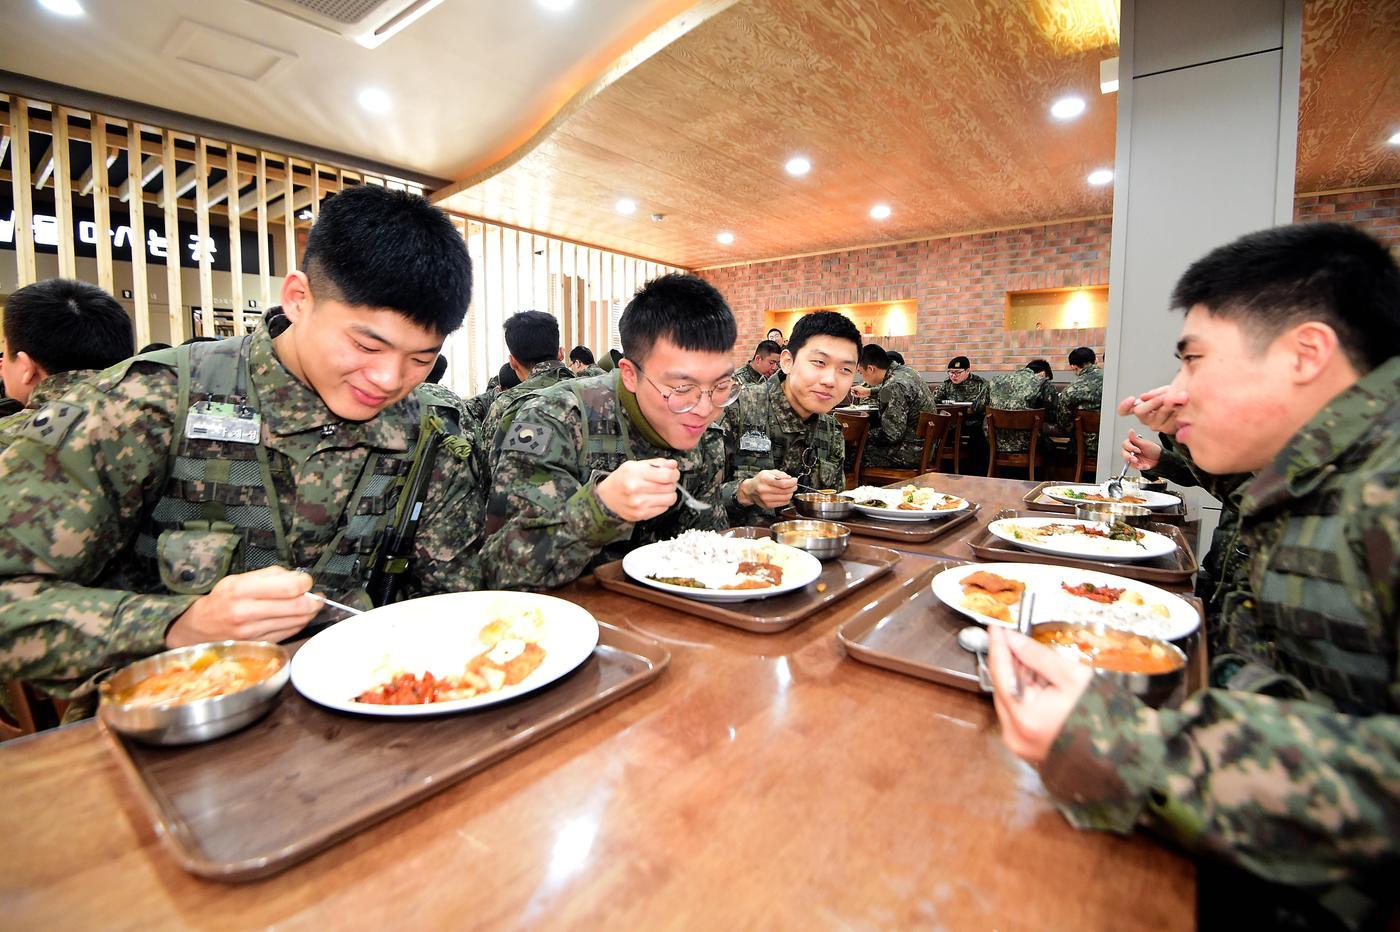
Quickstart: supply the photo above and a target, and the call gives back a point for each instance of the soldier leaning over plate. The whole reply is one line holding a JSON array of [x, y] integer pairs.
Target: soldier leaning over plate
[[589, 468], [1287, 768], [902, 396], [781, 431], [134, 510]]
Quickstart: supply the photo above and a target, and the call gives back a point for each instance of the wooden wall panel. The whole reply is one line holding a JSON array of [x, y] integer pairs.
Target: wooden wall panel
[[23, 184], [174, 306], [63, 194], [201, 220], [136, 219], [101, 205], [235, 242], [264, 254]]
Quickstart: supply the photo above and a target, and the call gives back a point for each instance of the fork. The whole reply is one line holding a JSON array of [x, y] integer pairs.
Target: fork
[[691, 500]]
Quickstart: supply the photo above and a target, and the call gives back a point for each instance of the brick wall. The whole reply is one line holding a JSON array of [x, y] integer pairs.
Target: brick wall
[[960, 283]]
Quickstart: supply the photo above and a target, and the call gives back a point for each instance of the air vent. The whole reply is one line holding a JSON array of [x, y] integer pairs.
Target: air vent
[[367, 22]]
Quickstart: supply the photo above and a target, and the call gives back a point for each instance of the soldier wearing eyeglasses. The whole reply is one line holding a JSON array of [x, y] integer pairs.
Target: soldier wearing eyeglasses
[[781, 432], [590, 468]]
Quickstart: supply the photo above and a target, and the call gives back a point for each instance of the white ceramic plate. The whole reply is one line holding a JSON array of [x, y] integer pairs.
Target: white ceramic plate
[[1079, 545], [1153, 499], [892, 513], [800, 569], [438, 634], [1052, 603]]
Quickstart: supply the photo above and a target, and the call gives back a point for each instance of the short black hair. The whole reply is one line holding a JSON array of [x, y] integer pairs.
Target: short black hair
[[1082, 356], [1040, 365], [684, 309], [874, 355], [508, 378], [774, 330], [766, 348], [203, 339], [1274, 279], [65, 325], [532, 337], [823, 324], [373, 247], [152, 347], [615, 355], [581, 354], [895, 356], [439, 370]]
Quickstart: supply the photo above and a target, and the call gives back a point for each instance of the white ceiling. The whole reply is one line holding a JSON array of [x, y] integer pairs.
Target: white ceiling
[[471, 79]]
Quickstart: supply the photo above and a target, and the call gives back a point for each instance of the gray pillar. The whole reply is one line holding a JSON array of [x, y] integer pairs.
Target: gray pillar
[[1206, 151]]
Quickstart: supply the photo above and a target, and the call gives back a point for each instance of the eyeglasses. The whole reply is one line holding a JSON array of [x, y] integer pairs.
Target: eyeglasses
[[685, 398]]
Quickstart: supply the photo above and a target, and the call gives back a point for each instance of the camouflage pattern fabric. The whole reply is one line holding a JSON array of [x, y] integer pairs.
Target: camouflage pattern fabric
[[894, 441], [542, 375], [479, 406], [972, 390], [588, 372], [79, 481], [748, 375], [813, 451], [1021, 390], [1085, 393], [47, 390], [1294, 776], [547, 525]]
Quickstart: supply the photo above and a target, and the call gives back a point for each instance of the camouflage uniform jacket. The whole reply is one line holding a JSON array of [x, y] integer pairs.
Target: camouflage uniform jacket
[[47, 390], [1299, 784], [588, 372], [894, 441], [546, 523], [973, 390], [542, 375], [80, 489], [762, 431], [748, 375], [1083, 394], [479, 406], [1021, 390]]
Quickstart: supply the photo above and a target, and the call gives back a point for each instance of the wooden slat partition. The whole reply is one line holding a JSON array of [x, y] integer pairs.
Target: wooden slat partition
[[201, 220], [101, 206], [264, 259], [136, 219], [63, 195], [235, 243], [174, 307], [23, 183], [289, 220]]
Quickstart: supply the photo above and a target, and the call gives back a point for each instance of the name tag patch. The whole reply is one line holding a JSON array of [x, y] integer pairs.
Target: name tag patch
[[211, 420], [755, 442]]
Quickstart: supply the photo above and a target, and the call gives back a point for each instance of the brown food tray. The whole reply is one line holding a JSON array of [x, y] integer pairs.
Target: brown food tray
[[1173, 569], [304, 777], [1037, 500], [911, 631], [908, 532], [859, 566]]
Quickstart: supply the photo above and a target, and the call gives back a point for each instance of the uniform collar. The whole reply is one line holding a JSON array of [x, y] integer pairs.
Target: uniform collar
[[53, 386], [632, 410], [1318, 450], [289, 406], [548, 365]]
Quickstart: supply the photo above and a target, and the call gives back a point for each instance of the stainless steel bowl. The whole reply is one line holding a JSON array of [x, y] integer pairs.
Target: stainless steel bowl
[[748, 533], [821, 505], [1152, 688], [200, 719], [1109, 512], [803, 534]]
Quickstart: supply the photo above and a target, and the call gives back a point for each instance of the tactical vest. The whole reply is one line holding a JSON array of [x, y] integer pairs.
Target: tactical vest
[[224, 486], [750, 462]]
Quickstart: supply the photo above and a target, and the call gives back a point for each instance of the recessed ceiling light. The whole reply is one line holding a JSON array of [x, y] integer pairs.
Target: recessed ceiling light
[[63, 7], [880, 211], [1100, 176], [798, 166], [376, 100], [725, 238], [625, 206], [1395, 139], [304, 215], [1067, 108], [555, 6]]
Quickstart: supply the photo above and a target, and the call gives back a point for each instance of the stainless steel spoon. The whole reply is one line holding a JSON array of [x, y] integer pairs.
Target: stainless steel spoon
[[974, 640]]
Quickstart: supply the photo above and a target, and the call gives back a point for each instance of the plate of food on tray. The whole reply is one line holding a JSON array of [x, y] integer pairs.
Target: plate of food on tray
[[710, 567], [444, 653], [990, 594], [1092, 540], [909, 503], [1098, 494]]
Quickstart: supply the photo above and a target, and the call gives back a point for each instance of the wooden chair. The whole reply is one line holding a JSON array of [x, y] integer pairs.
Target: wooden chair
[[30, 712], [953, 451], [856, 428], [933, 428], [1085, 423], [1003, 419]]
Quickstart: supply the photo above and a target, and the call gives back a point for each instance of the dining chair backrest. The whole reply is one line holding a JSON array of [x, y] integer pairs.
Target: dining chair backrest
[[1005, 419], [856, 429], [1085, 424]]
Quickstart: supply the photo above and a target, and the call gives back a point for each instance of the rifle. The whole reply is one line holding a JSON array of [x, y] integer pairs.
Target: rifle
[[392, 557]]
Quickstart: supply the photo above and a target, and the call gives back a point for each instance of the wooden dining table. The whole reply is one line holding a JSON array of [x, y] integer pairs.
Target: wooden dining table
[[762, 781]]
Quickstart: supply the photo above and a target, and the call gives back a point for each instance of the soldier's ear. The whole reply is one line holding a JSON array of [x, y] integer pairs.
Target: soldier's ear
[[785, 361], [24, 372], [296, 295]]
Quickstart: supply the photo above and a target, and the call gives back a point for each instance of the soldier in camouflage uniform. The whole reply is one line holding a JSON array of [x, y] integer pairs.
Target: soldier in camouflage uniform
[[1288, 766], [902, 397], [167, 501], [1026, 389], [763, 364], [589, 468], [533, 340], [478, 406], [964, 387], [582, 364], [1085, 393], [57, 333], [781, 431]]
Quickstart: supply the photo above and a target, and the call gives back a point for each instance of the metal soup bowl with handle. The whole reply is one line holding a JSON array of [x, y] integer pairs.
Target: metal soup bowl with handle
[[198, 719], [822, 539], [1166, 661]]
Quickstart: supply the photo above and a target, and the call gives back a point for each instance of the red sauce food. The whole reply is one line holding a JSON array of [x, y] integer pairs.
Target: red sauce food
[[1087, 590]]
